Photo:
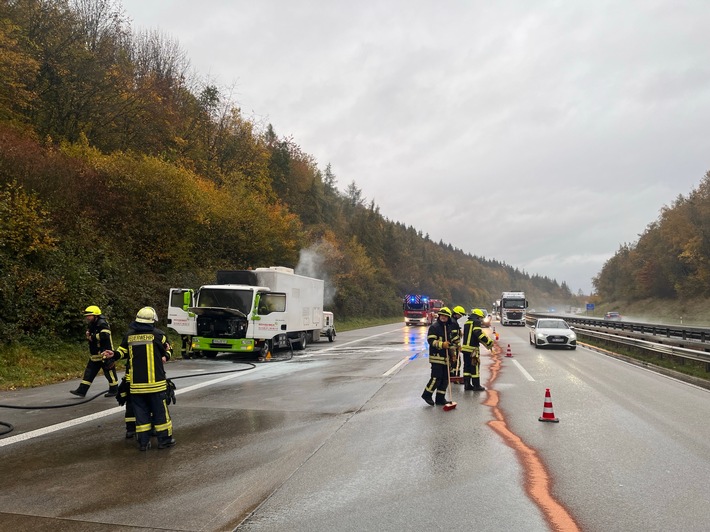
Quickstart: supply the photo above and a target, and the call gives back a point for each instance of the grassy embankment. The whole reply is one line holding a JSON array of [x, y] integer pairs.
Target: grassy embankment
[[39, 365], [695, 313]]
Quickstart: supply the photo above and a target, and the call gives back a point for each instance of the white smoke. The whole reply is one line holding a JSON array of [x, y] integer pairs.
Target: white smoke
[[311, 263]]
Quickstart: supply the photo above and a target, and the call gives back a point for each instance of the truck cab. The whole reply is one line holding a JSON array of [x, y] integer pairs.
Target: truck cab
[[328, 330]]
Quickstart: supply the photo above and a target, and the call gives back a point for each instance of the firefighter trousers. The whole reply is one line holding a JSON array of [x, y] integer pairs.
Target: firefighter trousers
[[471, 363], [438, 382], [92, 369], [151, 411]]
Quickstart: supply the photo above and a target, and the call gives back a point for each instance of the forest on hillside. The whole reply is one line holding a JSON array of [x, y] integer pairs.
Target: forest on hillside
[[123, 174], [670, 260]]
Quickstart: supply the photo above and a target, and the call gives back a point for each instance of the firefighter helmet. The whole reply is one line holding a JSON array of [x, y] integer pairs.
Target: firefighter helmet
[[458, 309], [445, 311], [478, 313], [92, 310], [147, 315]]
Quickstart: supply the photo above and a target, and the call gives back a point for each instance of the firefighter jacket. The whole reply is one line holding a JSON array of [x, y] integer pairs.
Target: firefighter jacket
[[439, 333], [454, 332], [144, 347], [473, 336], [99, 336]]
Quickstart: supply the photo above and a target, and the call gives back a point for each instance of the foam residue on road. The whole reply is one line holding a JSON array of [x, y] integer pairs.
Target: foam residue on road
[[538, 484]]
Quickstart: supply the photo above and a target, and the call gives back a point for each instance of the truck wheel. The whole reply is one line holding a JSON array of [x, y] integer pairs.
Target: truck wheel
[[210, 354], [302, 340]]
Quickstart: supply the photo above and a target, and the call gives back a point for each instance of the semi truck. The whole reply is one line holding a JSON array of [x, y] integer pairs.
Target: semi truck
[[248, 311], [512, 308]]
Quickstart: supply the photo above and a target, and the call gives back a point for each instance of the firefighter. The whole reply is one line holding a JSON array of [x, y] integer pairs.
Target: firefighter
[[455, 339], [439, 343], [473, 337], [146, 348], [98, 335]]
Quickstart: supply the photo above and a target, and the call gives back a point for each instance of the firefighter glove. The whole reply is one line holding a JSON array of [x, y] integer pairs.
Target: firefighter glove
[[171, 391]]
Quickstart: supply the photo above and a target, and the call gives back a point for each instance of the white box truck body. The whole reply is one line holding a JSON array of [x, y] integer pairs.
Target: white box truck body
[[249, 311]]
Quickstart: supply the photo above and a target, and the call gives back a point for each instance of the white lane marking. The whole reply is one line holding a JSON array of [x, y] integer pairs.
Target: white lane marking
[[115, 410], [522, 370], [396, 367], [327, 349]]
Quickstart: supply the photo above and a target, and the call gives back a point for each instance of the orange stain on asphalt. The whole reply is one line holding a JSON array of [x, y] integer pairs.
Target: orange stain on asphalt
[[538, 483]]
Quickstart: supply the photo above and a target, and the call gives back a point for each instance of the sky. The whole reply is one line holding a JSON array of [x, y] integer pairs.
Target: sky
[[541, 134]]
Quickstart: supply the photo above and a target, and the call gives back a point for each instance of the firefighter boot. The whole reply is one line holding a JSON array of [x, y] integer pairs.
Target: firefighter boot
[[477, 384], [427, 397], [112, 391], [468, 383], [80, 391], [441, 398]]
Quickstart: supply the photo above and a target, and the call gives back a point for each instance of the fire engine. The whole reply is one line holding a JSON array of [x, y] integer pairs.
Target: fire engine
[[416, 310], [434, 308]]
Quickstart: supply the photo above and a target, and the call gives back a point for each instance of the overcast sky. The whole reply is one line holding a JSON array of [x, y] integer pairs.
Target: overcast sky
[[543, 134]]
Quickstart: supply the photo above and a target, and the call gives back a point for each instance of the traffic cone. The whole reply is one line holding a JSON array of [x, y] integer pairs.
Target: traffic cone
[[547, 413], [508, 353]]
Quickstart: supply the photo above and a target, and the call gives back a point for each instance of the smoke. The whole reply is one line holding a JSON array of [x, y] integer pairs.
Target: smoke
[[311, 263]]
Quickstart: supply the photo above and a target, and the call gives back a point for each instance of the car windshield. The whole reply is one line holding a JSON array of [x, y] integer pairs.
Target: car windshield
[[552, 324]]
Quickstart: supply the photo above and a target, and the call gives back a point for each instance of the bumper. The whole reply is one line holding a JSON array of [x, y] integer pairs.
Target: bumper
[[226, 345]]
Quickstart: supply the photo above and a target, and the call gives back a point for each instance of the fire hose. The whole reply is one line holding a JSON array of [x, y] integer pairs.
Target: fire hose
[[10, 427]]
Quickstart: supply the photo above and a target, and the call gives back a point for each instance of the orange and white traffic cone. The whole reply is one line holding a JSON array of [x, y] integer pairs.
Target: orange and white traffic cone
[[547, 412], [508, 353]]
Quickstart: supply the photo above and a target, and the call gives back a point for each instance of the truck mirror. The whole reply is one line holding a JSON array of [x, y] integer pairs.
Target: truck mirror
[[186, 300]]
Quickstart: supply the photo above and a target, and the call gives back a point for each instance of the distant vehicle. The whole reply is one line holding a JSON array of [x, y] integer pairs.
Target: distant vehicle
[[612, 316], [487, 318], [328, 329], [435, 305], [512, 308], [552, 332], [416, 310]]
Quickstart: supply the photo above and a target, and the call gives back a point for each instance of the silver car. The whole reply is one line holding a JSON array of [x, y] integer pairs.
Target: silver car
[[552, 331]]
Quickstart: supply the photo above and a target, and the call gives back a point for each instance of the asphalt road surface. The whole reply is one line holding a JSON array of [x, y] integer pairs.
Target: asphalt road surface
[[338, 439]]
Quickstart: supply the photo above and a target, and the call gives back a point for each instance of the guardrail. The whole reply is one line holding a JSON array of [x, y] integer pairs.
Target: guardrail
[[691, 343]]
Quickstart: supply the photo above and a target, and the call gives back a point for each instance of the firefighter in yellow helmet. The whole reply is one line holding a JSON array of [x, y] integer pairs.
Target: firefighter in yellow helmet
[[455, 348], [98, 334], [439, 343], [146, 348], [473, 337]]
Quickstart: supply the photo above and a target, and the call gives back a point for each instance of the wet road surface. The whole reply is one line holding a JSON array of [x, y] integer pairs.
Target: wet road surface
[[338, 438]]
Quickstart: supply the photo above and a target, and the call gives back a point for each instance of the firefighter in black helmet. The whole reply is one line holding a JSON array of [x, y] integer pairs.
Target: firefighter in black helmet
[[439, 343], [473, 337], [98, 334]]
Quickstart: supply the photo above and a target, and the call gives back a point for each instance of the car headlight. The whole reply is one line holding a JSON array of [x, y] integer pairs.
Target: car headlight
[[540, 335]]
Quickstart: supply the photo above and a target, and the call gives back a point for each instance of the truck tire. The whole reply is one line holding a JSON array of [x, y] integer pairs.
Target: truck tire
[[302, 341], [210, 354]]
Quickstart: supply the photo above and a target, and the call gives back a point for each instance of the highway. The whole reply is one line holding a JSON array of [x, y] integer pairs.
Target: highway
[[338, 438]]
